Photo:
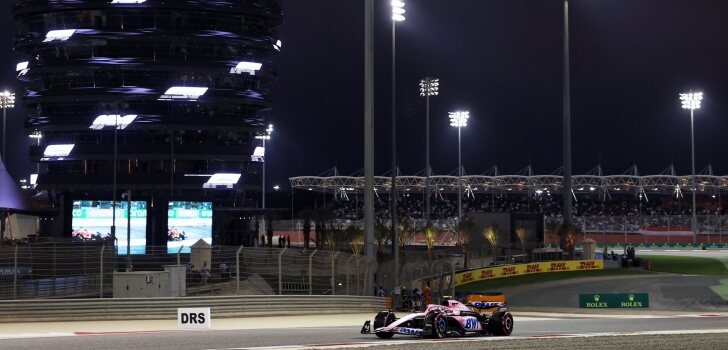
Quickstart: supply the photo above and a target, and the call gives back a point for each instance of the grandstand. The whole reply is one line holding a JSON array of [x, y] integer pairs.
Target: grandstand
[[618, 208]]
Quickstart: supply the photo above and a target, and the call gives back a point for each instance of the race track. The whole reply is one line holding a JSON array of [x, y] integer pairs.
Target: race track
[[531, 331]]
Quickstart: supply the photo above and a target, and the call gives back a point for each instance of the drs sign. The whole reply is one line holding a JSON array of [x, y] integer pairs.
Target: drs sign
[[193, 318]]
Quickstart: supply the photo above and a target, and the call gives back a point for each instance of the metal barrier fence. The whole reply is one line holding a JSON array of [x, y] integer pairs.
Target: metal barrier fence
[[53, 270], [166, 308]]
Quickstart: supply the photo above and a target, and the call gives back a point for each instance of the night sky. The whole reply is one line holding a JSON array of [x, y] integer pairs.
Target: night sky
[[501, 60]]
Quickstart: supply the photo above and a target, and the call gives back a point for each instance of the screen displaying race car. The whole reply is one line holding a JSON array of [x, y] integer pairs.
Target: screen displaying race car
[[450, 318], [187, 223], [92, 220]]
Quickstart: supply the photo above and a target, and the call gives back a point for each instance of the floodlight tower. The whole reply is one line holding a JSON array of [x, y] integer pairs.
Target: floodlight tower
[[691, 100], [264, 137], [7, 100], [428, 87], [459, 120], [397, 16]]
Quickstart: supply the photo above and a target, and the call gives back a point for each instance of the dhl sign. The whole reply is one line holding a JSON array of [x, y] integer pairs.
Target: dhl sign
[[526, 269]]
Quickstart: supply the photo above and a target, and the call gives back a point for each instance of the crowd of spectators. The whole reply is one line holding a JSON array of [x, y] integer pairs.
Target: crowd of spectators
[[445, 206]]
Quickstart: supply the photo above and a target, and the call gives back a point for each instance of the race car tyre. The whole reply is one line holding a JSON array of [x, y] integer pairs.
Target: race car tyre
[[440, 325], [383, 318], [384, 335], [501, 323]]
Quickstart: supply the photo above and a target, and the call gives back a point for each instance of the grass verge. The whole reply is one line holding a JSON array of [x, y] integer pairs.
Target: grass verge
[[497, 283], [686, 265]]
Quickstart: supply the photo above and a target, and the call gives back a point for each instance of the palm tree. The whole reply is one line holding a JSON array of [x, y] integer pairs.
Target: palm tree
[[432, 235], [323, 217], [492, 234], [354, 237], [381, 234], [406, 234], [269, 217], [464, 229], [569, 233], [307, 215], [334, 239], [522, 234]]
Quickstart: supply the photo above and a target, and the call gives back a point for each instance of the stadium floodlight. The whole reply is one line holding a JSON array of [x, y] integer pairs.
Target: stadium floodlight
[[21, 66], [36, 135], [60, 35], [222, 179], [246, 67], [105, 120], [265, 136], [128, 1], [33, 179], [188, 93], [398, 10], [58, 150], [428, 87], [7, 100], [691, 100], [459, 120]]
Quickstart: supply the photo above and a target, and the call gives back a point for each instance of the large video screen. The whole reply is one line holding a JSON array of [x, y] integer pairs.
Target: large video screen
[[187, 223], [92, 220]]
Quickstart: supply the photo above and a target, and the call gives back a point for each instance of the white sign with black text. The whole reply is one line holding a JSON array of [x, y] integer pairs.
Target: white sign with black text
[[194, 318]]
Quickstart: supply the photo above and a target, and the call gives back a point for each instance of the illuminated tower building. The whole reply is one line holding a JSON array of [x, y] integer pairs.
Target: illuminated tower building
[[171, 90]]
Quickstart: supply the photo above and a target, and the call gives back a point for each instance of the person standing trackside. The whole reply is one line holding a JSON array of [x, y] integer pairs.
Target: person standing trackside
[[426, 292]]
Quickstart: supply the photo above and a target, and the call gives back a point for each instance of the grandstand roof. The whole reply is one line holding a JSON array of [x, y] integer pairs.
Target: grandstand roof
[[525, 182]]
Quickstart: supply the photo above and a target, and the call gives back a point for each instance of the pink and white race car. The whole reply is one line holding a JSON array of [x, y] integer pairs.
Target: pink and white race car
[[452, 318]]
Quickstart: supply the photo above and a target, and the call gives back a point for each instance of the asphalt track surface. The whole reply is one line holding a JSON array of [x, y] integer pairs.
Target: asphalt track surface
[[531, 331]]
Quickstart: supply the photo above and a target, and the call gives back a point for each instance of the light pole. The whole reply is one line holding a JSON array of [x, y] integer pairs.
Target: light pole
[[459, 120], [369, 142], [691, 100], [7, 100], [566, 124], [264, 137], [397, 16], [428, 87]]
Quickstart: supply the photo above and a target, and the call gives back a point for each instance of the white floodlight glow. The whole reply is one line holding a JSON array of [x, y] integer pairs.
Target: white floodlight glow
[[269, 131], [222, 179], [276, 187], [128, 1], [21, 66], [105, 120], [398, 10], [189, 93], [7, 99], [246, 67], [429, 87], [33, 179], [459, 119], [58, 150], [691, 100], [36, 135], [60, 35]]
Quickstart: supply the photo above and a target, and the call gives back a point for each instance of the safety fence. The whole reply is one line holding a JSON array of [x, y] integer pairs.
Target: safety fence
[[166, 308], [87, 271]]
